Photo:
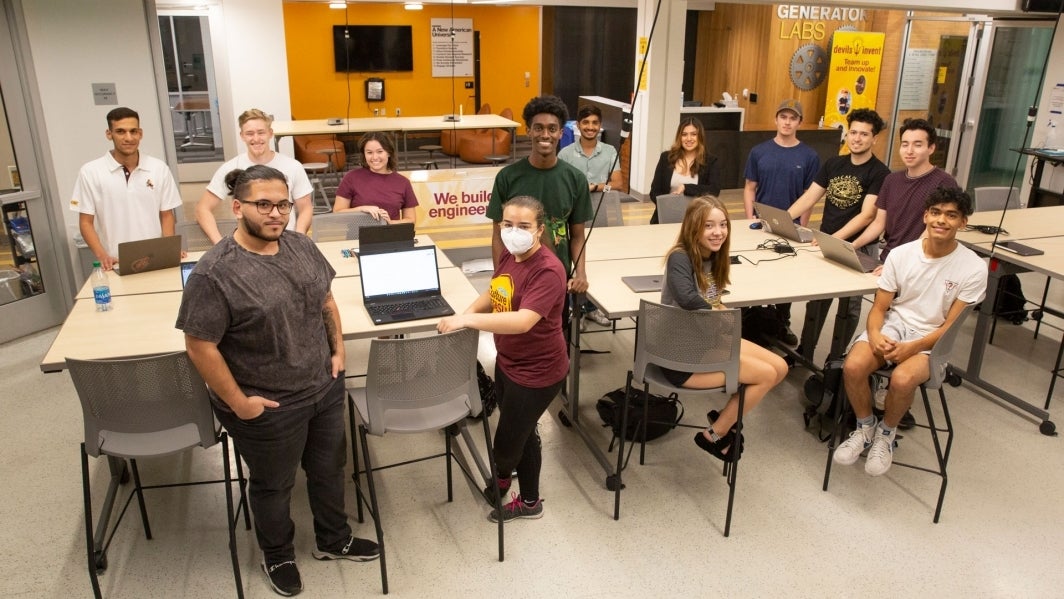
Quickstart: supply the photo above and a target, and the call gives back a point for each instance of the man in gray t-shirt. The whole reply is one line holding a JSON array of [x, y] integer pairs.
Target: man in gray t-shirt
[[263, 330]]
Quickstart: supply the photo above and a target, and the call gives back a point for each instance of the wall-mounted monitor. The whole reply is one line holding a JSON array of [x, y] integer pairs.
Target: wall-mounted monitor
[[373, 48]]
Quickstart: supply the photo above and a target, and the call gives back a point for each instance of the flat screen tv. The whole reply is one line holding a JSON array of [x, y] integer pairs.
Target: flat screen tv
[[373, 48]]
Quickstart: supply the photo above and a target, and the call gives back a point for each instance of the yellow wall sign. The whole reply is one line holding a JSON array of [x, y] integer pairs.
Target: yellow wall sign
[[853, 77]]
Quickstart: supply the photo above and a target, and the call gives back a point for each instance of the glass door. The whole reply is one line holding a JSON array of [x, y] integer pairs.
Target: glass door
[[1008, 80], [188, 64], [32, 297]]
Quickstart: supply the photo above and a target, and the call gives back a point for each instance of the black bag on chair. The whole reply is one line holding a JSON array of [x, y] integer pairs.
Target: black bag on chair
[[487, 391], [664, 413]]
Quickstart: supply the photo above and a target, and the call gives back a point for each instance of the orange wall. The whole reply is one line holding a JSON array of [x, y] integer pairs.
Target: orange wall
[[509, 47]]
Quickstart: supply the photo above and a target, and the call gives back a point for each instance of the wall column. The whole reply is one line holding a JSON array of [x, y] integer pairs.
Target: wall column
[[656, 110]]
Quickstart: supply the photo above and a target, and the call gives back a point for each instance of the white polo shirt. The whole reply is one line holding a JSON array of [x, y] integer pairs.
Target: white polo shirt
[[125, 210], [298, 182]]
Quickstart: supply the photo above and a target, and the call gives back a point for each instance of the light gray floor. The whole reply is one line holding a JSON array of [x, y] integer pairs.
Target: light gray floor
[[1001, 532]]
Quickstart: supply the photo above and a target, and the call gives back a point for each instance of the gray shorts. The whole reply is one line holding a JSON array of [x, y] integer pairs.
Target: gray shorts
[[895, 330]]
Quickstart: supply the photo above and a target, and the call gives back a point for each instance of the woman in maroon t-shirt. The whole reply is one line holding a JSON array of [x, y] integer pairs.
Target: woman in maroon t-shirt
[[523, 308], [377, 189]]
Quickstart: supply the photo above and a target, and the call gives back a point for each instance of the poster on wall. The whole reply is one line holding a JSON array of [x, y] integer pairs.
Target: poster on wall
[[452, 47], [918, 75], [853, 77]]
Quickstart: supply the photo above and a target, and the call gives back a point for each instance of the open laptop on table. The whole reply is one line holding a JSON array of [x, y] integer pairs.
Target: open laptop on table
[[147, 255], [779, 222], [397, 235], [843, 252], [401, 284]]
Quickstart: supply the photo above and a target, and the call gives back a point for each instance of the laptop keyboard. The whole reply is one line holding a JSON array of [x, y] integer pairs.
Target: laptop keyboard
[[431, 303]]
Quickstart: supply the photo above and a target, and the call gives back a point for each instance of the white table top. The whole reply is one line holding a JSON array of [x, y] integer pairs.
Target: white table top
[[1050, 264], [141, 325], [403, 123], [647, 241], [169, 279], [806, 277], [1025, 223]]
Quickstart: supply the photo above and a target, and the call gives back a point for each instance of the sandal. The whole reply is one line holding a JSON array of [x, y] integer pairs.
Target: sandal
[[720, 449]]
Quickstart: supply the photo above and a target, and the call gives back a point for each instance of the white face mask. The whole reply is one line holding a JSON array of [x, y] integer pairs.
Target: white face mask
[[517, 241]]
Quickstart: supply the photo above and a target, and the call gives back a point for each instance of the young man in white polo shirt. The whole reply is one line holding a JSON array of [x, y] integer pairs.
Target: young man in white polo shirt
[[124, 195], [256, 133]]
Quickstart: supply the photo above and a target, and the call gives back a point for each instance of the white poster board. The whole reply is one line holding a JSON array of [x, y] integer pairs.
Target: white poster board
[[917, 79], [452, 47]]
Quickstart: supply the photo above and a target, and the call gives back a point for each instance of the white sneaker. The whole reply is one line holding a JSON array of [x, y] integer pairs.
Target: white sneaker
[[850, 449], [599, 317], [881, 456]]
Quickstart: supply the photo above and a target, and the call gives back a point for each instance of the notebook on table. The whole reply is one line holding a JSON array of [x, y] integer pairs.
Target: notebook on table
[[843, 252], [147, 255], [779, 222], [401, 284], [644, 283]]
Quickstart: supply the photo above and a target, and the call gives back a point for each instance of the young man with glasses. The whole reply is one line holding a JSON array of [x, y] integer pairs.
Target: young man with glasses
[[263, 329], [256, 133]]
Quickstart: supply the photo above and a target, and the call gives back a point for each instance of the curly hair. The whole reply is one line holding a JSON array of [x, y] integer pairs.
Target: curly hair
[[545, 105]]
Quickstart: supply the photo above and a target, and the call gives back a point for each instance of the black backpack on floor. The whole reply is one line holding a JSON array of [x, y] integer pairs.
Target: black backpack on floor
[[664, 413], [822, 397], [1009, 303]]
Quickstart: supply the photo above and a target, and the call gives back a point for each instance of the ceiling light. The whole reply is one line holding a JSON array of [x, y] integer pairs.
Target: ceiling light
[[338, 5], [414, 6]]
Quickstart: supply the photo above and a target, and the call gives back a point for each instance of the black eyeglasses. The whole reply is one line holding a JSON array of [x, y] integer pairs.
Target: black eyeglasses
[[265, 207]]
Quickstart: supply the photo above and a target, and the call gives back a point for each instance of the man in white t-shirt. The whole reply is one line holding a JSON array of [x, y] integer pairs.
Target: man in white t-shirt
[[924, 287], [124, 195], [256, 133]]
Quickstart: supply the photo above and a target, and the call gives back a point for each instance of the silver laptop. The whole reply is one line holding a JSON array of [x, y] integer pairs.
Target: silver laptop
[[779, 222], [401, 284], [147, 255], [843, 252], [644, 283]]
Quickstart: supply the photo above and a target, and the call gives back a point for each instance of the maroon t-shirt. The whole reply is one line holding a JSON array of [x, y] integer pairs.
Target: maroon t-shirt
[[538, 358], [392, 192], [903, 198]]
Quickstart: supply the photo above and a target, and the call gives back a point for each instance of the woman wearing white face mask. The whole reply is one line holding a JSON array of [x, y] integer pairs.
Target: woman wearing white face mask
[[523, 307]]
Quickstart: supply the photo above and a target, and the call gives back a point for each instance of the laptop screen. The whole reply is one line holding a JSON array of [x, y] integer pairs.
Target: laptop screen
[[186, 269], [405, 271]]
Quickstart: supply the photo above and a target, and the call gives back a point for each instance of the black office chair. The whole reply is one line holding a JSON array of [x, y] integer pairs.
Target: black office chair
[[689, 341], [940, 373], [142, 408]]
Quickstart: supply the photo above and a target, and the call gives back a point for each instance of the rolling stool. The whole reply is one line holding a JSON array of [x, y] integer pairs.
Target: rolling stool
[[431, 162], [497, 159], [318, 197]]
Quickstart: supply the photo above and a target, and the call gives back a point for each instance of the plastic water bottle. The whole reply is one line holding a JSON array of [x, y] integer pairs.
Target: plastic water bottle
[[1052, 142], [101, 291]]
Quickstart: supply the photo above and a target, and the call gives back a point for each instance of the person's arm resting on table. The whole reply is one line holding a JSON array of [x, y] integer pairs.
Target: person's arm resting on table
[[479, 316], [861, 221]]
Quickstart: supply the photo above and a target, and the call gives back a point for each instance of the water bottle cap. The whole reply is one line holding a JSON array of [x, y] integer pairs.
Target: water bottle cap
[[96, 264]]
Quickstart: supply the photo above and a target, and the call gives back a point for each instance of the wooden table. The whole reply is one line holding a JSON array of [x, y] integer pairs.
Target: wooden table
[[1025, 223]]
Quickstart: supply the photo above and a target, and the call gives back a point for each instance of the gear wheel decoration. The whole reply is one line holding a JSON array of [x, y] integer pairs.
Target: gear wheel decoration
[[809, 67], [831, 40]]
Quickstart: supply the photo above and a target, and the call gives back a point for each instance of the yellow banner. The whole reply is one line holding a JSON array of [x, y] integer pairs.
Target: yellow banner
[[452, 198], [853, 78]]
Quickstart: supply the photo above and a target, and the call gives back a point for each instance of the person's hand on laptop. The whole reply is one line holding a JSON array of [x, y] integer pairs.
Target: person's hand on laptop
[[877, 270], [107, 262]]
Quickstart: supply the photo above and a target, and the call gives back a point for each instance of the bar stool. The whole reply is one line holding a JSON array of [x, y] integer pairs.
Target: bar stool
[[331, 172], [315, 171], [497, 159], [431, 162]]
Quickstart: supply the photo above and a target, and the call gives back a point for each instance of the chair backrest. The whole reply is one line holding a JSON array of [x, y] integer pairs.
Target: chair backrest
[[939, 357], [140, 396], [193, 239], [609, 214], [994, 198], [688, 341], [671, 207], [339, 226], [422, 383]]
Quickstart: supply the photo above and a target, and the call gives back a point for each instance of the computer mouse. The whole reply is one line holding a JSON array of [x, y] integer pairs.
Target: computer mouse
[[755, 225]]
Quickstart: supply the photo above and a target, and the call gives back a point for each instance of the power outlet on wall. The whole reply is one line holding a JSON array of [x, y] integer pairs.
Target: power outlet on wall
[[469, 85]]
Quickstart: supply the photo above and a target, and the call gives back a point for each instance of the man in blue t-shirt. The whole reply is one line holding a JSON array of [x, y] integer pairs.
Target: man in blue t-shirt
[[778, 172]]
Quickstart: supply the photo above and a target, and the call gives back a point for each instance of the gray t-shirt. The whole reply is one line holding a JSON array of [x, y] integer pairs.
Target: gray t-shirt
[[265, 314]]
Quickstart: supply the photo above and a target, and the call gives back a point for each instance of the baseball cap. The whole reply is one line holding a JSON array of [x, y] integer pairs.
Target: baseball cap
[[793, 105]]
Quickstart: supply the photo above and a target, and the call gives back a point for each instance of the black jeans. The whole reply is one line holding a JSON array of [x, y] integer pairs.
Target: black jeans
[[273, 446], [517, 442]]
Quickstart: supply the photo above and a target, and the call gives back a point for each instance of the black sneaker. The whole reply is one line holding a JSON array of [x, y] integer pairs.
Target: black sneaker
[[907, 421], [354, 549], [284, 578], [788, 337]]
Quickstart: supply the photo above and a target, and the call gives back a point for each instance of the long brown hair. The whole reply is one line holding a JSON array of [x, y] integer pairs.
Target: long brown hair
[[676, 151], [689, 242]]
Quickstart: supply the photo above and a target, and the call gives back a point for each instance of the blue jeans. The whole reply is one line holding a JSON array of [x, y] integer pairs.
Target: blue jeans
[[273, 446]]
